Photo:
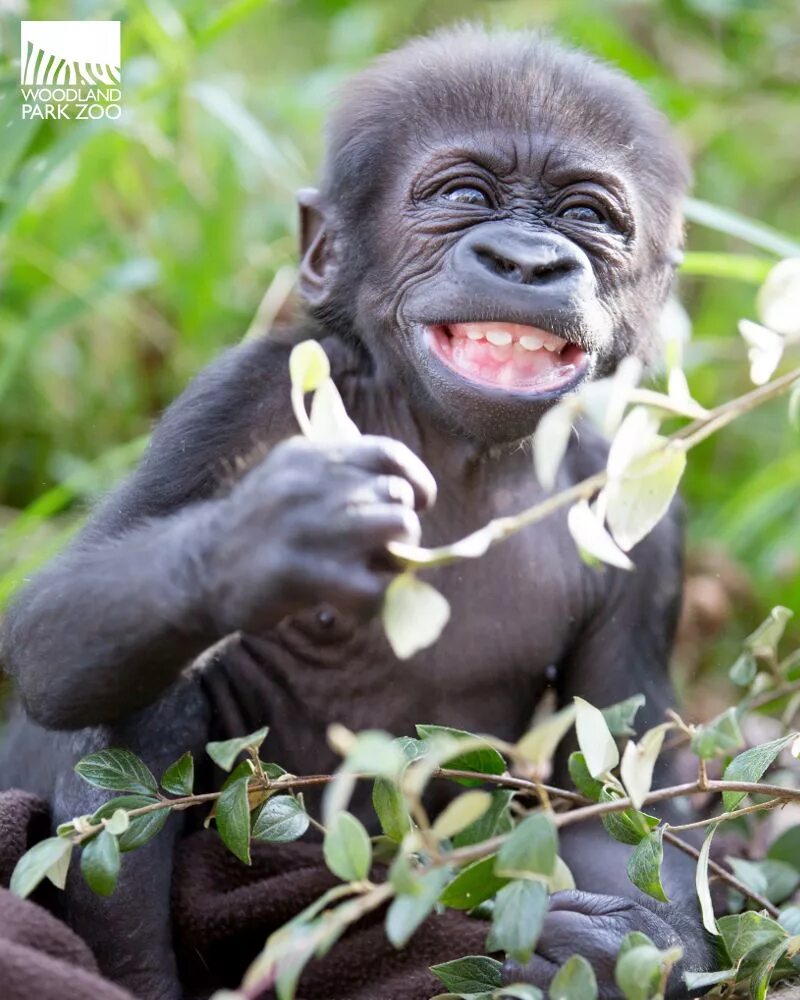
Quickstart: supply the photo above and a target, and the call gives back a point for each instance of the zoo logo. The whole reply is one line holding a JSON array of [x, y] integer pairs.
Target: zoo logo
[[70, 69]]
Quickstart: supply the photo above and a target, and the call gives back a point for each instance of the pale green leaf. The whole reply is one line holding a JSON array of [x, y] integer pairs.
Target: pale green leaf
[[764, 350], [575, 980], [638, 761], [530, 849], [473, 885], [414, 615], [347, 848], [702, 885], [391, 809], [636, 437], [458, 814], [517, 919], [118, 823], [142, 828], [538, 745], [638, 499], [751, 765], [619, 717], [407, 911], [328, 420], [779, 298], [225, 752], [308, 366], [595, 740], [551, 439], [37, 863], [591, 537]]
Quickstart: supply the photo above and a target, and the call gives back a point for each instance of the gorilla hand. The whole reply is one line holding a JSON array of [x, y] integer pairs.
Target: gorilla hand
[[311, 523], [594, 926]]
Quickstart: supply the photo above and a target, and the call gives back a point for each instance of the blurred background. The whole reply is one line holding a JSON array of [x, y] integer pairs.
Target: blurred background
[[131, 252]]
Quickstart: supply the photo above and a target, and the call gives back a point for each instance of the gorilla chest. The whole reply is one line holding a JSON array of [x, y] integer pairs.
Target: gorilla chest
[[513, 613]]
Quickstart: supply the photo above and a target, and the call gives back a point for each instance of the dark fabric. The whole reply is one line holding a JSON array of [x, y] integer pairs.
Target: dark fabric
[[223, 912], [39, 955]]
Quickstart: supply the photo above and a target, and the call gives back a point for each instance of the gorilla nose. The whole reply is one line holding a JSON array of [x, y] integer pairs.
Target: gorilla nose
[[537, 259]]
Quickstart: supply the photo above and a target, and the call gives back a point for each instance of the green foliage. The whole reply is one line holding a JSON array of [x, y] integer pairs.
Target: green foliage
[[119, 770]]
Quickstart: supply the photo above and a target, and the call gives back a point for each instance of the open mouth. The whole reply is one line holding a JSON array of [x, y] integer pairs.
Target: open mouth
[[507, 356]]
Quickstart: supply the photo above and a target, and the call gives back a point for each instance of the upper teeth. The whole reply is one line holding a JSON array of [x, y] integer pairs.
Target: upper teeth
[[500, 338], [531, 342]]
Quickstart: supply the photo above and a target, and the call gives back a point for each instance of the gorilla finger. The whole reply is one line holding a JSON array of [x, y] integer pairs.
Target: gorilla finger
[[395, 489], [385, 455], [378, 524], [537, 971]]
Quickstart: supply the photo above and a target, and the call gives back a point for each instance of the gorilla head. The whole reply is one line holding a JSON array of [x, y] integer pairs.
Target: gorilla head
[[499, 219]]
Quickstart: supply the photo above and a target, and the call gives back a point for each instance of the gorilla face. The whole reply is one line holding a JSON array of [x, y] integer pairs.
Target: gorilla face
[[506, 224]]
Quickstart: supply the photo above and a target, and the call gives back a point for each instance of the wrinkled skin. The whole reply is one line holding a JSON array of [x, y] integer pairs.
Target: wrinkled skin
[[550, 200]]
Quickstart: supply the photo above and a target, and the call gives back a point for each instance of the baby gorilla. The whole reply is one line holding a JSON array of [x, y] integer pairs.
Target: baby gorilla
[[499, 220]]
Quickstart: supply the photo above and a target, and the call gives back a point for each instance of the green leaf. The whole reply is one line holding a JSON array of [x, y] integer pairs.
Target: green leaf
[[414, 615], [619, 718], [644, 865], [517, 919], [779, 299], [745, 932], [483, 759], [473, 885], [763, 967], [225, 752], [551, 439], [281, 820], [119, 770], [347, 849], [141, 828], [750, 766], [787, 847], [391, 809], [460, 812], [720, 736], [628, 826], [36, 864], [179, 777], [594, 739], [407, 911], [725, 220], [588, 786], [233, 819], [473, 974], [638, 972], [789, 919], [704, 980], [766, 637], [575, 980], [776, 880], [530, 848], [496, 820], [308, 367], [744, 670], [702, 885], [538, 745], [100, 863]]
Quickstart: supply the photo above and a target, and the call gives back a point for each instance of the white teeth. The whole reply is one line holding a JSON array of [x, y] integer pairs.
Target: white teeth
[[500, 338], [531, 342], [555, 344], [474, 334]]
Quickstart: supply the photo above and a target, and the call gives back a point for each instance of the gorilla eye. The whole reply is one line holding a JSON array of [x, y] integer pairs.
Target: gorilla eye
[[582, 213], [466, 196]]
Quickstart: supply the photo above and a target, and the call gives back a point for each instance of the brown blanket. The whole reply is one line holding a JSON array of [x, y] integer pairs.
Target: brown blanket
[[223, 912]]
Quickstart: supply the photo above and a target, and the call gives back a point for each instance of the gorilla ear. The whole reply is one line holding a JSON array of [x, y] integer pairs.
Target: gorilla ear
[[316, 263]]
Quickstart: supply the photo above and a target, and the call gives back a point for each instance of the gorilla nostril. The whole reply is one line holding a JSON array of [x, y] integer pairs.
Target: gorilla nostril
[[500, 265]]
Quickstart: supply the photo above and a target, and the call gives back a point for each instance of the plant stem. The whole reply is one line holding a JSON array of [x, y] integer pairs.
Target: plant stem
[[733, 814]]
